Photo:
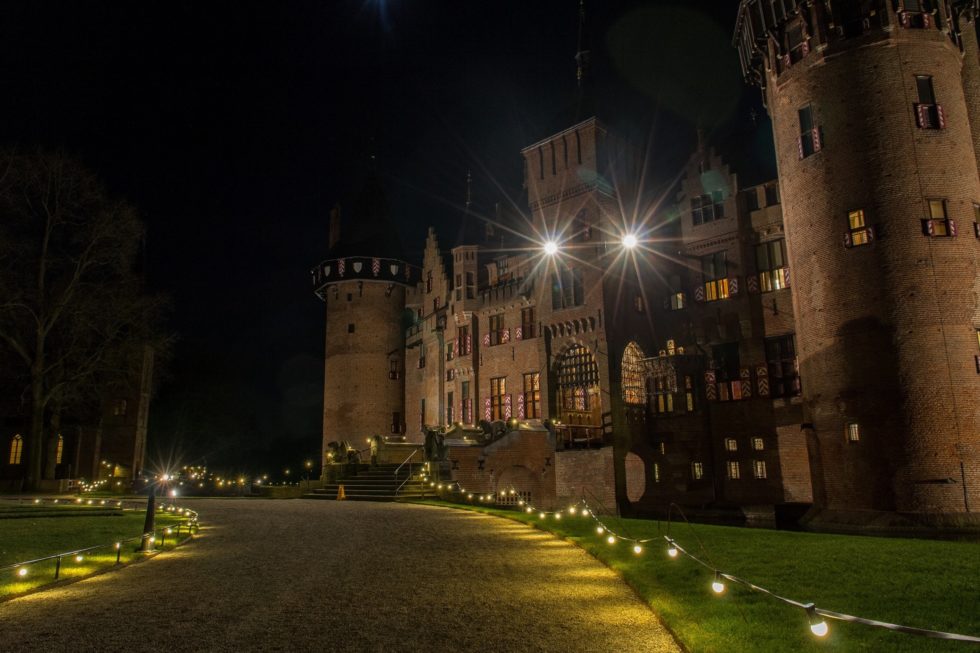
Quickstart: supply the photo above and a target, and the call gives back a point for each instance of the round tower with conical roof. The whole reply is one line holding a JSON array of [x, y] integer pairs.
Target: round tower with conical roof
[[871, 109], [363, 284]]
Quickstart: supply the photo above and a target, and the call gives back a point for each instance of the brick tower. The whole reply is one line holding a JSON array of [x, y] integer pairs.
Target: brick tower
[[363, 284], [871, 103]]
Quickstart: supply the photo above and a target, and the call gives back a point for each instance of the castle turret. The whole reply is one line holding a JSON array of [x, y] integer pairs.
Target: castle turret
[[363, 284], [878, 175]]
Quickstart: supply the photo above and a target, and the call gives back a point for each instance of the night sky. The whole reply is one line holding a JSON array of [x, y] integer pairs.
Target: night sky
[[234, 127]]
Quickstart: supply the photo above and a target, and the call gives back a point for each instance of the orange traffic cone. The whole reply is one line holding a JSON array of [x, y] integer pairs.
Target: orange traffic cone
[[341, 495]]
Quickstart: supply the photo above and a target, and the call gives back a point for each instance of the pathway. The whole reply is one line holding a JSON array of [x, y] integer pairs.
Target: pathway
[[344, 576]]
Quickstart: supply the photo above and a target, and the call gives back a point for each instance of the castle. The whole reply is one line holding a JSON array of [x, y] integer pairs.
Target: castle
[[809, 342]]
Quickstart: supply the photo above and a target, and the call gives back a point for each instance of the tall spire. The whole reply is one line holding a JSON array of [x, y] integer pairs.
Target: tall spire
[[583, 78]]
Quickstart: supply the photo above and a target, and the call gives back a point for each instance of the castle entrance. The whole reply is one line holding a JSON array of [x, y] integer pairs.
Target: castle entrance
[[579, 402]]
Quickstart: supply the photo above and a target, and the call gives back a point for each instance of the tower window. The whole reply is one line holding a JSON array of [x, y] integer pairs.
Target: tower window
[[566, 289], [467, 407], [496, 332], [759, 468], [770, 260], [527, 323], [809, 141], [697, 471], [784, 379], [656, 473], [350, 328], [119, 408], [450, 416], [731, 444], [858, 232], [758, 444], [938, 224], [853, 431], [631, 374], [928, 114], [393, 369], [532, 395], [16, 449], [59, 452], [708, 208]]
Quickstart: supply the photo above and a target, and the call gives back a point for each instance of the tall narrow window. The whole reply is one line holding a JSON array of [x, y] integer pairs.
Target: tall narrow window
[[528, 329], [498, 389], [466, 403], [714, 272], [733, 471], [759, 468], [689, 393], [853, 431], [463, 344], [809, 139], [16, 449], [632, 376], [566, 289], [532, 395], [770, 260], [784, 379], [470, 285], [59, 452], [450, 350], [450, 406], [428, 282], [540, 162], [422, 414], [396, 422], [496, 325], [928, 113]]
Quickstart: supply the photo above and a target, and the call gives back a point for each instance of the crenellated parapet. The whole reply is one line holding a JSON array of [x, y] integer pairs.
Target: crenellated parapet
[[363, 268], [773, 36]]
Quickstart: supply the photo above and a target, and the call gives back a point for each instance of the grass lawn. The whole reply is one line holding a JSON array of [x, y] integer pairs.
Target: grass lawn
[[919, 583], [40, 535]]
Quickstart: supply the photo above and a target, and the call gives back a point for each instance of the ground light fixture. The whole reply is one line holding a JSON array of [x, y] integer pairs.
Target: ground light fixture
[[818, 626], [551, 248], [630, 241], [717, 586]]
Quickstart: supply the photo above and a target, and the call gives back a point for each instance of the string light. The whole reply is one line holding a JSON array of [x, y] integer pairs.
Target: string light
[[611, 539], [717, 586], [637, 549], [818, 626], [22, 572], [600, 530]]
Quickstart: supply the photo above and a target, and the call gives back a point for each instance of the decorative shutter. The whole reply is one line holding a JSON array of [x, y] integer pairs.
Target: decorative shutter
[[806, 47], [518, 333], [456, 351], [928, 228], [786, 279], [486, 409], [786, 61], [926, 21], [505, 336], [699, 294], [733, 287], [799, 145], [817, 141], [375, 266], [507, 405], [486, 339], [903, 18], [520, 406], [762, 379], [922, 116], [951, 227], [871, 233], [746, 376], [341, 267], [847, 239], [752, 284], [941, 115], [710, 387], [469, 344]]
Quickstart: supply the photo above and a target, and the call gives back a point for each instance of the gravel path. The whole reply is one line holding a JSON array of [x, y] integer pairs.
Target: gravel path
[[344, 576]]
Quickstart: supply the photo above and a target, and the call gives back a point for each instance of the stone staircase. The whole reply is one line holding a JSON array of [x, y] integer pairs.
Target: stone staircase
[[378, 483]]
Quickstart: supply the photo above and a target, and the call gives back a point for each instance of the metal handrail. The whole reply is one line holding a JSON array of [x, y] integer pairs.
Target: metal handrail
[[409, 476]]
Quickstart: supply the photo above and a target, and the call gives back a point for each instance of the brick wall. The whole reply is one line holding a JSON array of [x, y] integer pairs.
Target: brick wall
[[523, 460], [586, 473]]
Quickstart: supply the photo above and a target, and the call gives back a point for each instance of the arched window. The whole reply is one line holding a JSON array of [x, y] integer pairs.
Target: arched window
[[578, 382], [60, 451], [632, 375], [16, 449]]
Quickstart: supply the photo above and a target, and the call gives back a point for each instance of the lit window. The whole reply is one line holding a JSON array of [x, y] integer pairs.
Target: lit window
[[578, 382], [60, 450], [714, 273], [759, 468], [731, 444], [733, 471], [532, 395], [632, 375], [467, 405], [758, 444], [697, 471], [853, 432], [463, 344], [16, 449], [656, 473], [770, 260], [689, 393], [498, 389], [677, 301], [938, 223], [119, 408]]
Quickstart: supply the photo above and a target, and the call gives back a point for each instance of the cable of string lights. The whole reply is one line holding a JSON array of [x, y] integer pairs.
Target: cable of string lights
[[815, 616]]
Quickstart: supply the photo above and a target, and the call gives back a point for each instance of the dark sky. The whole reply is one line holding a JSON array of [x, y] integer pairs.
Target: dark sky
[[234, 127]]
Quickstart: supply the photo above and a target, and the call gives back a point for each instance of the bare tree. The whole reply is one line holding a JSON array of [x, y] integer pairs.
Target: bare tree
[[71, 302]]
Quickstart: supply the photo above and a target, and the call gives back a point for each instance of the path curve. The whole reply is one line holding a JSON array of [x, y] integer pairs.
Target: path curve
[[345, 576]]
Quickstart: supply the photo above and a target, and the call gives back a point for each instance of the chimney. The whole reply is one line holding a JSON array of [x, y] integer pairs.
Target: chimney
[[334, 234]]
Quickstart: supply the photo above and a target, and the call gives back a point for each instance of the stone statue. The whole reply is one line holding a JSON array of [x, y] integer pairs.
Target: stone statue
[[435, 445]]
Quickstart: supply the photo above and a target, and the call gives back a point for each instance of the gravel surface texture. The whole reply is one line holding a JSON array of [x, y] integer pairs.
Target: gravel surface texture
[[306, 575]]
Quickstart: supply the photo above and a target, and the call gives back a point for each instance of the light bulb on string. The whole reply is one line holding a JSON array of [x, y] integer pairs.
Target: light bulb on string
[[600, 530], [22, 572], [672, 550], [542, 515], [557, 515], [529, 510], [818, 626], [611, 539], [637, 549], [717, 586]]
